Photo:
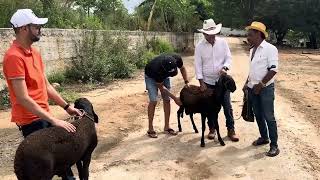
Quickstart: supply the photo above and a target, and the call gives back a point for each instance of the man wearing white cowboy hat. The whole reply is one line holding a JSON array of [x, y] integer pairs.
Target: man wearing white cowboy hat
[[212, 60], [260, 85]]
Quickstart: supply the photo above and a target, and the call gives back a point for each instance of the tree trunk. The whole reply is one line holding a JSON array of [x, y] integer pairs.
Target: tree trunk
[[313, 40], [151, 14], [280, 36]]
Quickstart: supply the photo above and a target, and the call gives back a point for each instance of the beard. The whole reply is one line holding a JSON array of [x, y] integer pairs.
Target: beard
[[34, 38]]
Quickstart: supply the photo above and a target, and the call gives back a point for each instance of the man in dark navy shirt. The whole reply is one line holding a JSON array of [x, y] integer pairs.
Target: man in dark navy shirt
[[157, 73]]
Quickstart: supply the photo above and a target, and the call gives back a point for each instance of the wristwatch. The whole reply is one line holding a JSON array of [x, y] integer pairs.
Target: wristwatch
[[66, 106]]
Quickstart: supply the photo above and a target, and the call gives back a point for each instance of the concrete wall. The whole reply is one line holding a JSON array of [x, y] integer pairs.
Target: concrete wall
[[57, 46], [224, 32]]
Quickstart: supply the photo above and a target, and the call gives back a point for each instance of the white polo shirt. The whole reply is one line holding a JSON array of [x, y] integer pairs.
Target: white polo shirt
[[209, 60], [266, 56]]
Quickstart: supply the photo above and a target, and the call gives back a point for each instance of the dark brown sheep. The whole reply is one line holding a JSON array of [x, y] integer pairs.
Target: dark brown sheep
[[209, 101], [51, 151]]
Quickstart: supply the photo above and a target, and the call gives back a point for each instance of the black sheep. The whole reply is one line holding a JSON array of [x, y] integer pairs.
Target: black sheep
[[209, 101], [51, 151]]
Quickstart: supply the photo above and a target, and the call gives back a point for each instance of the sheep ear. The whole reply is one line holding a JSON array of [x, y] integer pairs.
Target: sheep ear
[[95, 117]]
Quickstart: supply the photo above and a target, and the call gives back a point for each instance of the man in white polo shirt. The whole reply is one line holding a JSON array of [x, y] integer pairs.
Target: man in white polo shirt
[[212, 60], [260, 85]]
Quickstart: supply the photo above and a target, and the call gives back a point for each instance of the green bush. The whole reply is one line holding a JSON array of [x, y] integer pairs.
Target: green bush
[[145, 59], [57, 77], [67, 95], [4, 98], [101, 60], [159, 46]]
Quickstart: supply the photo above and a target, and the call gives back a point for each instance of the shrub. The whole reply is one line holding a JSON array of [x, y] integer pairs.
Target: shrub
[[4, 98], [159, 46], [147, 57], [57, 77], [102, 59], [142, 57], [67, 95]]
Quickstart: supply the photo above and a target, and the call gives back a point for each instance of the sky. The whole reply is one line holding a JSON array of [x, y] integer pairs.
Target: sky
[[131, 4]]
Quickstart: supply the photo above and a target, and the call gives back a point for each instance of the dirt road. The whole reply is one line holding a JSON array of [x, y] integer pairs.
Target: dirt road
[[125, 152]]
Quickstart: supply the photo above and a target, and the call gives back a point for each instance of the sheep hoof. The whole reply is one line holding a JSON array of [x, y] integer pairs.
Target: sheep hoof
[[196, 131], [222, 143], [203, 145]]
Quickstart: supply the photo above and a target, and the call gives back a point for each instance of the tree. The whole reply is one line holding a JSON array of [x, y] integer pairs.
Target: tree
[[87, 5], [169, 15]]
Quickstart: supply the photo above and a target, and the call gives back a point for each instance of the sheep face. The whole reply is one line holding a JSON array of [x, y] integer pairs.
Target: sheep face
[[228, 83], [85, 104]]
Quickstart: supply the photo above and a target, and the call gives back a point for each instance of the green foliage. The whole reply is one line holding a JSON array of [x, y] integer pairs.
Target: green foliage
[[67, 95], [57, 77], [159, 46], [144, 56], [171, 15], [278, 15], [4, 98], [294, 37], [92, 22], [101, 60]]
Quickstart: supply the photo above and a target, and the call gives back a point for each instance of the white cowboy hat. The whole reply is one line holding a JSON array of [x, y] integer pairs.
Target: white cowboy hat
[[210, 27]]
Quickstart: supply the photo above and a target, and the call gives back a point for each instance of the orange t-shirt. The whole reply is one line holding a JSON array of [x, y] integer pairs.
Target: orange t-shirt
[[20, 63]]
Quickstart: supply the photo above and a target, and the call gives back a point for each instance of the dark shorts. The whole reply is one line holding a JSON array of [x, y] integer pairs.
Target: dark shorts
[[34, 126]]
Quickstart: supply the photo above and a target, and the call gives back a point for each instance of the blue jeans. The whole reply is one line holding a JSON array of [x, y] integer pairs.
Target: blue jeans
[[227, 109], [152, 88], [263, 108]]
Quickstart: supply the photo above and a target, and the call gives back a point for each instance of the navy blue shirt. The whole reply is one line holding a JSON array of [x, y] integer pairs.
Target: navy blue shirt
[[162, 67]]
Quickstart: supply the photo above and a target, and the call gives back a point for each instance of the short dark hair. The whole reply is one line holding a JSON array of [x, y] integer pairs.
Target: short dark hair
[[16, 30], [176, 56]]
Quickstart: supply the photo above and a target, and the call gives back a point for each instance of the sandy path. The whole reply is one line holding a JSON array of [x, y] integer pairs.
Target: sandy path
[[138, 157], [122, 110]]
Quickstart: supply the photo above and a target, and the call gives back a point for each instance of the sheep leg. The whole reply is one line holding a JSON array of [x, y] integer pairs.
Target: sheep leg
[[80, 169], [180, 114], [216, 126], [193, 124], [203, 122], [85, 168]]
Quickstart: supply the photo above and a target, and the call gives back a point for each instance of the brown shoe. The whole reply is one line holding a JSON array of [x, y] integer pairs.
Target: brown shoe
[[232, 135], [212, 134]]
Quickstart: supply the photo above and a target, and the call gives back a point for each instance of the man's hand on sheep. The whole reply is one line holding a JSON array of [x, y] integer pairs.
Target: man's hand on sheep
[[74, 111], [177, 101], [223, 72], [203, 87], [64, 124], [257, 88]]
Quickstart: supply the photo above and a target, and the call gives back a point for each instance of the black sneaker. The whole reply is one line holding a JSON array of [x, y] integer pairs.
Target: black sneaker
[[274, 151], [260, 141]]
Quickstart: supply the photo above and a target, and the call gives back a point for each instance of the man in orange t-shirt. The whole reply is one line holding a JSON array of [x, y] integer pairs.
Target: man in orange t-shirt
[[28, 86]]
